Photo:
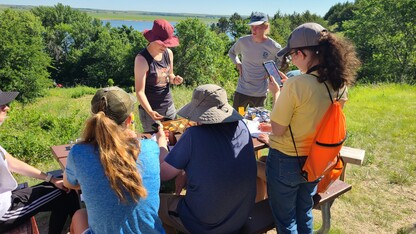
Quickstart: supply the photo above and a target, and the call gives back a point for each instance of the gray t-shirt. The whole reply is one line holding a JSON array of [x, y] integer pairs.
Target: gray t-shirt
[[253, 81]]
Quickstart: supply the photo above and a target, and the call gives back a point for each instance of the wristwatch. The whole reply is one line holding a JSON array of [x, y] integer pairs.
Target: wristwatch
[[48, 177]]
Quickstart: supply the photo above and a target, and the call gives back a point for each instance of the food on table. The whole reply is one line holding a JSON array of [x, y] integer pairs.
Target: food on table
[[177, 125]]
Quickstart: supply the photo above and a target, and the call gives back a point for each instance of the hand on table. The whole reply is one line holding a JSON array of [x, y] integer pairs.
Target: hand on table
[[265, 127]]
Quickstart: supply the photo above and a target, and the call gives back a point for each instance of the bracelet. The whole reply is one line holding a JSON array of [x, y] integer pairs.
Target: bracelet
[[48, 177]]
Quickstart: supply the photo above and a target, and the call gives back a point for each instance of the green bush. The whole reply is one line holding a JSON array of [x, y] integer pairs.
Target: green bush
[[32, 129]]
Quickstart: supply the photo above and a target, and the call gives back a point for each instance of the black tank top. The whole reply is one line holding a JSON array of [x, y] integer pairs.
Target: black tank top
[[157, 83]]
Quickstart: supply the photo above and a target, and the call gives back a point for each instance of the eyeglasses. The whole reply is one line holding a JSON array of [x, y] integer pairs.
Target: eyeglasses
[[289, 55]]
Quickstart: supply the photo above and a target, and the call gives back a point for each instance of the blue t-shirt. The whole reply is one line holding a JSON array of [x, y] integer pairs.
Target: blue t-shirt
[[221, 175], [106, 213]]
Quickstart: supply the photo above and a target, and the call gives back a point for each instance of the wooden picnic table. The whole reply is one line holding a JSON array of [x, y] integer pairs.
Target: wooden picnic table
[[348, 154], [60, 152]]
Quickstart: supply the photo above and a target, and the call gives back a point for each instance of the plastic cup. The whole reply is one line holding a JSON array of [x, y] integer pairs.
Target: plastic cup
[[241, 110]]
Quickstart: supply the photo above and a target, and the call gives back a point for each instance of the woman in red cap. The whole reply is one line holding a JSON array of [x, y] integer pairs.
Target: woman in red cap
[[153, 72]]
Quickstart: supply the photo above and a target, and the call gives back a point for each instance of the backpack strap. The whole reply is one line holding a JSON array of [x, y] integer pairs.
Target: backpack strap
[[297, 155], [329, 93]]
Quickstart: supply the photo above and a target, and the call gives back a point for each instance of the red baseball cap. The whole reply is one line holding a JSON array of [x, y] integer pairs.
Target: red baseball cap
[[162, 33]]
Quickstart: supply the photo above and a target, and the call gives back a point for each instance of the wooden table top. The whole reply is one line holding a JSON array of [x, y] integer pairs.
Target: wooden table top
[[60, 152], [350, 155]]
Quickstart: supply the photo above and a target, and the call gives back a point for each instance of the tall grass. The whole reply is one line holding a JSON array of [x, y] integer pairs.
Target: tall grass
[[381, 120]]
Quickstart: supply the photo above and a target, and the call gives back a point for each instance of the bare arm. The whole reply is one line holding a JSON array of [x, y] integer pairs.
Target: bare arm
[[140, 69], [22, 168], [167, 171], [163, 144]]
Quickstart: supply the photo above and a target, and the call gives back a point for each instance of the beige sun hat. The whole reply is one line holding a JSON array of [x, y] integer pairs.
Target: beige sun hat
[[209, 105]]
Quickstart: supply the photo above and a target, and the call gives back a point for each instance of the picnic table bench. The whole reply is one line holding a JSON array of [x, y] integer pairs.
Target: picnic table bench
[[261, 218]]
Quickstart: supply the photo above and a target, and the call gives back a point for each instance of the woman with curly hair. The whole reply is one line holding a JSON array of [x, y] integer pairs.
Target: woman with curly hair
[[117, 173], [322, 57]]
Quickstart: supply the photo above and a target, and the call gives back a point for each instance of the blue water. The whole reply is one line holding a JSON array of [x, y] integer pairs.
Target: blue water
[[140, 25], [137, 25]]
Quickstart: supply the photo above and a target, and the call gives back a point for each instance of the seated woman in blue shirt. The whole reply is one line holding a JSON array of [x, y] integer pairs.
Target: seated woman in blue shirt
[[117, 173]]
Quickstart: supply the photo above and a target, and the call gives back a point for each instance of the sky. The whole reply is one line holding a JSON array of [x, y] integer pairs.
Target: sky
[[213, 7]]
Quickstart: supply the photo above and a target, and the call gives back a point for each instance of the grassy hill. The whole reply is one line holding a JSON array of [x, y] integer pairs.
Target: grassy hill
[[381, 119]]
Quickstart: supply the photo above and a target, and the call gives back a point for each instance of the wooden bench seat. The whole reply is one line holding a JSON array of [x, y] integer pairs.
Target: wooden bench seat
[[261, 218], [28, 227]]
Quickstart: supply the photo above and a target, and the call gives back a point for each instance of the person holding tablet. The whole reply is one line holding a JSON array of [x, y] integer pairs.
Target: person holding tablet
[[321, 57]]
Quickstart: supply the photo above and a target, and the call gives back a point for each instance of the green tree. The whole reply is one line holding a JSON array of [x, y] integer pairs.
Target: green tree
[[103, 59], [238, 26], [280, 28], [68, 32], [222, 26], [384, 33], [23, 62], [283, 24], [136, 42], [339, 13], [201, 56]]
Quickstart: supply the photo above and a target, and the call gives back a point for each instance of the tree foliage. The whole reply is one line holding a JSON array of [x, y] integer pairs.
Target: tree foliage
[[201, 56], [384, 33], [339, 13], [72, 48], [68, 33], [238, 26], [23, 62], [85, 52], [281, 25]]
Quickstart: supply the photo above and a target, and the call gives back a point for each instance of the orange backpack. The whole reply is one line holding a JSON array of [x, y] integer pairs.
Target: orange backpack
[[323, 159]]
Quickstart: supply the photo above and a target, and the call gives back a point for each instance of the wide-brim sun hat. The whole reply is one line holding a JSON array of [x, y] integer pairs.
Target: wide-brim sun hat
[[162, 32], [258, 18], [305, 35], [209, 105], [7, 97], [116, 103]]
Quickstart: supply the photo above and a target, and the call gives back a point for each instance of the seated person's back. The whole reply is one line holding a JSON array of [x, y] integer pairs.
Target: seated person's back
[[118, 174], [106, 213], [218, 159]]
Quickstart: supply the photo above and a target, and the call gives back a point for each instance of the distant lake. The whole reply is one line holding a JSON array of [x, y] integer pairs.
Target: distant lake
[[137, 25], [140, 25]]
